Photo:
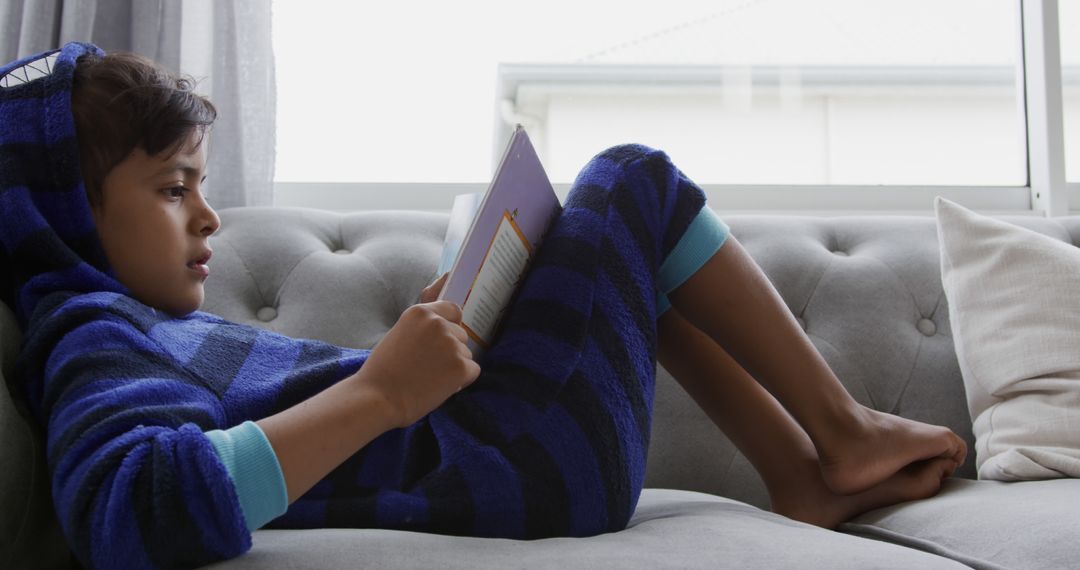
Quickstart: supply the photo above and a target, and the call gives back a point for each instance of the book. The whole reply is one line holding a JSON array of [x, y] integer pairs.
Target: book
[[491, 239]]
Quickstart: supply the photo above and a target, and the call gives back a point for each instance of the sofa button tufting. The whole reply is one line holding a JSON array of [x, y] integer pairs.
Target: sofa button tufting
[[927, 327], [342, 251], [266, 314], [840, 252]]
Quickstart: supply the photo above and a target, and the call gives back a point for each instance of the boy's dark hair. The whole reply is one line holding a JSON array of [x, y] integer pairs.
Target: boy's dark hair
[[124, 101]]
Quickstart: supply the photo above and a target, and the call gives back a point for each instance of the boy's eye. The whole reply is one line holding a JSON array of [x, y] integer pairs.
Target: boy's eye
[[175, 191]]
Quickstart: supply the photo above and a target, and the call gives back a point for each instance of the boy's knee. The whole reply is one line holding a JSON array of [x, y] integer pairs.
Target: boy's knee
[[626, 153], [625, 160], [634, 168]]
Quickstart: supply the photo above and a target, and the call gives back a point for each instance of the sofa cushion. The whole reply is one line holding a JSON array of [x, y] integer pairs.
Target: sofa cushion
[[670, 529], [1016, 325], [987, 524]]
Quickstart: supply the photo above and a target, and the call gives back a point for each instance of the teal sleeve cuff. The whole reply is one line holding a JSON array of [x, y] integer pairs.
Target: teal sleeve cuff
[[662, 304], [702, 238], [255, 472]]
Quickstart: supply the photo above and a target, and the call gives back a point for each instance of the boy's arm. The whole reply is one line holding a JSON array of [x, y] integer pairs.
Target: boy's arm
[[421, 362], [276, 460], [311, 440], [318, 434], [134, 476]]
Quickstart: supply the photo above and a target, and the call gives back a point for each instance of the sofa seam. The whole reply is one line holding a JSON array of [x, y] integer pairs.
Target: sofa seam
[[378, 272], [897, 538], [934, 313], [247, 269], [910, 375], [937, 305], [731, 464], [869, 394], [288, 276], [814, 289], [896, 275], [34, 452]]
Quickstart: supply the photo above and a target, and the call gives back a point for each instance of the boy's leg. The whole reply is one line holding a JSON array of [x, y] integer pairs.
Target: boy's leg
[[552, 438], [774, 443], [732, 300]]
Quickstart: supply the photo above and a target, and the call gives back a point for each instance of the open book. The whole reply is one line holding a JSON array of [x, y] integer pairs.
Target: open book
[[491, 239]]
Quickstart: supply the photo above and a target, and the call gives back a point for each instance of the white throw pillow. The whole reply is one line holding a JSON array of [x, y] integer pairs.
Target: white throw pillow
[[1014, 304]]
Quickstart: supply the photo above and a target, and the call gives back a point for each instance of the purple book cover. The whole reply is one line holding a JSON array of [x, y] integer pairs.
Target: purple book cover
[[513, 217]]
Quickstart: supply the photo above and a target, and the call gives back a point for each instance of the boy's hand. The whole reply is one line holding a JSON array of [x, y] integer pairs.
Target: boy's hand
[[422, 361], [431, 292]]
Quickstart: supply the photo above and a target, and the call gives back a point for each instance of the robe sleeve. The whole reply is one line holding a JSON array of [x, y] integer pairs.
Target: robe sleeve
[[136, 481]]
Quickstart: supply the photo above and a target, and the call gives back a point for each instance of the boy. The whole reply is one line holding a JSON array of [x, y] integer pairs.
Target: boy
[[172, 434]]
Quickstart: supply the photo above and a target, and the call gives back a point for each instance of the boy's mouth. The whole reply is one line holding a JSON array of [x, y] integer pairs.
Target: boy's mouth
[[199, 265]]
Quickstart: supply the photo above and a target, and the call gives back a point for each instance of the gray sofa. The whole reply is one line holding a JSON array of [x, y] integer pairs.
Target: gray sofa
[[866, 289]]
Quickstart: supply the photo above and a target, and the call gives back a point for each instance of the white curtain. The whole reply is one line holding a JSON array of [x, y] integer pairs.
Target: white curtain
[[225, 45]]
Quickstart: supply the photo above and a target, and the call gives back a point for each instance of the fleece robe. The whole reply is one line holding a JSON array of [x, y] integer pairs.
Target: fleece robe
[[551, 440]]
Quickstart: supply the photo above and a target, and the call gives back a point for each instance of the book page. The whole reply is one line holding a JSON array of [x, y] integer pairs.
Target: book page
[[502, 268], [462, 214]]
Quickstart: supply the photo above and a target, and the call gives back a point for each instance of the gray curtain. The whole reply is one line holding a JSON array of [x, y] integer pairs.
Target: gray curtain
[[225, 45]]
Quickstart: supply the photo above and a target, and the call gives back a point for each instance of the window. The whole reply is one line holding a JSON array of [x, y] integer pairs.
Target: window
[[365, 88], [794, 92], [915, 96]]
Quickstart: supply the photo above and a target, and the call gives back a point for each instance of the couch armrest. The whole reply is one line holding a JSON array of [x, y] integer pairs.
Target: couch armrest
[[10, 340], [29, 532]]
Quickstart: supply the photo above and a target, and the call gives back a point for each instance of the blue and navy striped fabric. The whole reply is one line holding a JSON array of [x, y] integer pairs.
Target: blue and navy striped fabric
[[49, 240], [551, 440]]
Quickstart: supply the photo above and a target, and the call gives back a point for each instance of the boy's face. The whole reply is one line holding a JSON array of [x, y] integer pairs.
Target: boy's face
[[154, 224]]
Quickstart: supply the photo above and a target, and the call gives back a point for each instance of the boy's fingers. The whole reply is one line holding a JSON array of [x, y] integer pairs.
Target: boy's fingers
[[474, 370], [459, 333], [438, 283], [431, 292], [447, 310]]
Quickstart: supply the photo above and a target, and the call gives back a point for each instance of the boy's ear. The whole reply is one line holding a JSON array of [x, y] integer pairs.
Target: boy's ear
[[96, 209], [96, 199]]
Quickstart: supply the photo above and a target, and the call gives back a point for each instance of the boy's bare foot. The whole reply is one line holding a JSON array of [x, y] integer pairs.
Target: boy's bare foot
[[878, 446], [816, 504]]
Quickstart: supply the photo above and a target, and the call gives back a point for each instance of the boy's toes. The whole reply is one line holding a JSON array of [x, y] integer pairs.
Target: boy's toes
[[957, 451], [961, 450], [929, 475]]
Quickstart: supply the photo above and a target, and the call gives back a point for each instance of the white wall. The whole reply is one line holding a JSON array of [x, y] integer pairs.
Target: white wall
[[867, 136]]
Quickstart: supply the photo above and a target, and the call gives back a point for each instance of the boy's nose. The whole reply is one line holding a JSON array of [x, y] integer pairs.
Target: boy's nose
[[206, 222], [213, 222]]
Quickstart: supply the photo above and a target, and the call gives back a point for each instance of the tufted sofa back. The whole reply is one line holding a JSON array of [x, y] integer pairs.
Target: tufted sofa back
[[867, 290]]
